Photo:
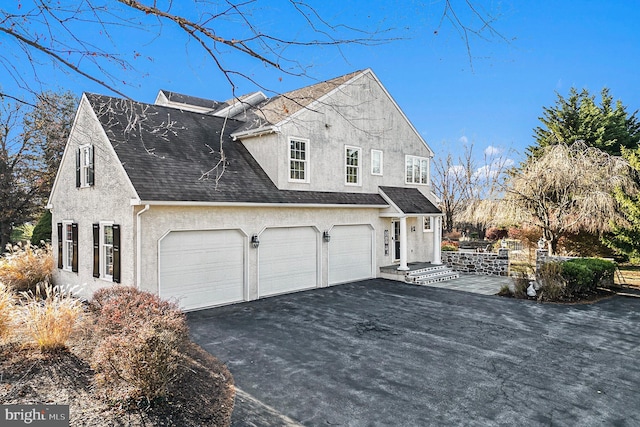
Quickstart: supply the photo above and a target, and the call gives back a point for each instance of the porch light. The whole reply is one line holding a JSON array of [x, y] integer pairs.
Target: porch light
[[255, 242], [326, 236]]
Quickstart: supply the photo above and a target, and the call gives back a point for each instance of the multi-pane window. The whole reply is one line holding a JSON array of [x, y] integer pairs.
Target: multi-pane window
[[428, 224], [84, 166], [107, 251], [352, 165], [416, 170], [68, 245], [376, 162], [298, 160]]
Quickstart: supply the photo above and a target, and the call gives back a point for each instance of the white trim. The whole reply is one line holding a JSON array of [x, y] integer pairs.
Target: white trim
[[249, 101], [424, 222], [253, 133], [420, 159], [249, 204], [85, 163], [139, 245], [358, 167], [306, 162], [373, 150]]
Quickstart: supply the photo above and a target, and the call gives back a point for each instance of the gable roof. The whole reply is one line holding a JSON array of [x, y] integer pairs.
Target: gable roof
[[409, 200], [172, 155]]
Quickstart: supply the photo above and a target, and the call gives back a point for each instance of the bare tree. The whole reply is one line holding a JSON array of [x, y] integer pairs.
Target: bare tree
[[460, 183], [565, 189], [79, 36]]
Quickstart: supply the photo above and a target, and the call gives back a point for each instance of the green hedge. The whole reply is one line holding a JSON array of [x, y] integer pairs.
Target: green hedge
[[575, 278]]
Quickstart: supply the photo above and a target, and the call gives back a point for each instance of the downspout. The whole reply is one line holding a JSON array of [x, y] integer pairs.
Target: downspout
[[139, 245]]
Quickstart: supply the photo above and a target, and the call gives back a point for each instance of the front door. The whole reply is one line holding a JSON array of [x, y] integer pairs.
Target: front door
[[396, 240]]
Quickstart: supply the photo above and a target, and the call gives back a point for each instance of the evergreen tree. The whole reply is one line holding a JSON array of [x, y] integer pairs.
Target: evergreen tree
[[608, 126], [625, 237]]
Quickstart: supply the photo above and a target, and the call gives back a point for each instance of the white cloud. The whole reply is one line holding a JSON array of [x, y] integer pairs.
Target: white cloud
[[457, 170], [492, 151], [463, 139]]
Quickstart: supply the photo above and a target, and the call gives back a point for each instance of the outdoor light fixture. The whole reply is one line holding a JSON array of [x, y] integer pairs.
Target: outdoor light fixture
[[255, 242], [326, 236]]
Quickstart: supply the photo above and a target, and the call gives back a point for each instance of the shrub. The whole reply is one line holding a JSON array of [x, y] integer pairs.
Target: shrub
[[505, 291], [448, 247], [6, 310], [602, 270], [50, 318], [520, 285], [495, 233], [42, 230], [452, 235], [579, 278], [144, 339], [24, 266]]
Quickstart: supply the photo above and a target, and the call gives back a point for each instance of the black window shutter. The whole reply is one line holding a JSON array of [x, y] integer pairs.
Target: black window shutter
[[74, 237], [96, 250], [60, 261], [116, 253], [78, 182], [91, 169]]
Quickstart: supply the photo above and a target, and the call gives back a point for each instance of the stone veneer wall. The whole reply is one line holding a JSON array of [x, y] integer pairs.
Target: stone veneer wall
[[481, 263], [543, 257]]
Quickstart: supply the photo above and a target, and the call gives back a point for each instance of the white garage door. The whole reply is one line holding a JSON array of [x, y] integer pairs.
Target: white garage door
[[288, 260], [202, 268], [350, 253]]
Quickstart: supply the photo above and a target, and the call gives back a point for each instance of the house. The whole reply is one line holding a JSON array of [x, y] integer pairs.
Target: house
[[214, 203]]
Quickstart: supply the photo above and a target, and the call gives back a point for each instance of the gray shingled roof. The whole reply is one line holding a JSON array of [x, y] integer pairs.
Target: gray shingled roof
[[410, 200], [166, 153]]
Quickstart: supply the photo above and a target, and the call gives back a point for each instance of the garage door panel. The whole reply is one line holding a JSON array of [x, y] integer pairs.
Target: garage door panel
[[350, 253], [288, 260], [202, 268]]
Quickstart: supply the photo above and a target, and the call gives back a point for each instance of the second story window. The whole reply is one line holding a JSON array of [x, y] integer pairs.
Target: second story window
[[298, 160], [416, 170], [84, 166], [352, 165], [376, 162]]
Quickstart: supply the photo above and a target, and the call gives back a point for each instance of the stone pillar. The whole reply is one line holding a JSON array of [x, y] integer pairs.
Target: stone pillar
[[403, 244], [437, 239], [541, 258]]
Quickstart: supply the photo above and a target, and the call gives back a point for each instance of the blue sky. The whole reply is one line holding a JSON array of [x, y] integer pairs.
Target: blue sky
[[491, 98]]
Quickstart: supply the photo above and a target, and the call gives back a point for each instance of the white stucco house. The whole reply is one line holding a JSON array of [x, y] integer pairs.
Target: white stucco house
[[214, 203]]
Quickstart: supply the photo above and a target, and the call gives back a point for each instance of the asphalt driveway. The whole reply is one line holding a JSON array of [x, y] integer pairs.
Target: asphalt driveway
[[383, 353]]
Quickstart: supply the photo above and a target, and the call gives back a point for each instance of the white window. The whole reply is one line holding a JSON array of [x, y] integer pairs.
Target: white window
[[376, 162], [298, 160], [85, 166], [67, 245], [352, 165], [106, 251], [428, 224], [416, 170]]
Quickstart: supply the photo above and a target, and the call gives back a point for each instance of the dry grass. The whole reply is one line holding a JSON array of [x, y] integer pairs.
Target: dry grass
[[24, 266], [49, 316], [630, 275], [7, 309]]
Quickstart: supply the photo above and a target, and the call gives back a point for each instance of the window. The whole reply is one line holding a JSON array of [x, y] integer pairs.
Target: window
[[106, 251], [68, 246], [84, 166], [416, 170], [376, 162], [428, 224], [352, 165], [298, 160]]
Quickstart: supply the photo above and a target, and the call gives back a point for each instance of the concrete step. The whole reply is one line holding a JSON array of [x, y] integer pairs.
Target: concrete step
[[428, 273], [437, 279]]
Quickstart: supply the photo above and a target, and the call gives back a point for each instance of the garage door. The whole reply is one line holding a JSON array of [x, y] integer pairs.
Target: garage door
[[288, 260], [202, 268], [350, 253]]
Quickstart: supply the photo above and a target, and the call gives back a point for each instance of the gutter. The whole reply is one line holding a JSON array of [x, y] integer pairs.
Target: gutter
[[255, 132], [139, 245]]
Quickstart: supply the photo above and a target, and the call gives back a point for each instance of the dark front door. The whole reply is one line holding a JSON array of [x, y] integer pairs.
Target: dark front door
[[396, 240]]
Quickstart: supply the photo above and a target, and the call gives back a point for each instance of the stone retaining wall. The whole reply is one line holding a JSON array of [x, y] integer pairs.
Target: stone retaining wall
[[481, 263]]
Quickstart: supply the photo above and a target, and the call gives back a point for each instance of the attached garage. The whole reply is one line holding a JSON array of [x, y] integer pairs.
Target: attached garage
[[350, 253], [202, 268], [287, 260]]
